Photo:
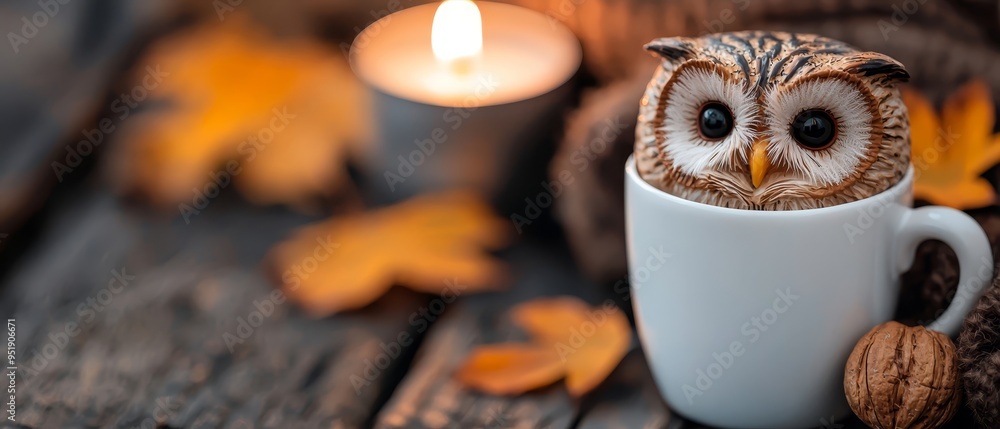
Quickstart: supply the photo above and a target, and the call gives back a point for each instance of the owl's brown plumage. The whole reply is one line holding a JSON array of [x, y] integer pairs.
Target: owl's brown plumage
[[771, 121]]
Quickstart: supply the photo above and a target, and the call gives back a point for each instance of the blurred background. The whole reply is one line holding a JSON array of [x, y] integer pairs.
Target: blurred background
[[173, 146]]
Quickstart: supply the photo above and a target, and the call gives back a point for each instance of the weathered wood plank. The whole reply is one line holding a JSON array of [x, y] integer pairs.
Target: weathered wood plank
[[155, 353], [155, 350], [429, 398], [628, 399]]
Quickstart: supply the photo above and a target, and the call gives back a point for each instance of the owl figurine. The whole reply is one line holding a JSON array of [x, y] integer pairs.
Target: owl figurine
[[771, 121]]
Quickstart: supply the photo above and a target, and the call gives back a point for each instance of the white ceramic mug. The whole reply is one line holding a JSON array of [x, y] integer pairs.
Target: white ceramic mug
[[747, 317]]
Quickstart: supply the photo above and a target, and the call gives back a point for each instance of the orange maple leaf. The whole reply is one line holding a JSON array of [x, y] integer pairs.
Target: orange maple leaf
[[429, 244], [571, 341], [951, 152], [276, 116]]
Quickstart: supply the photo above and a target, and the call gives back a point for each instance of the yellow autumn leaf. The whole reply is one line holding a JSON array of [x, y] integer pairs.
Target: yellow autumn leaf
[[952, 151], [277, 117], [570, 340], [427, 244]]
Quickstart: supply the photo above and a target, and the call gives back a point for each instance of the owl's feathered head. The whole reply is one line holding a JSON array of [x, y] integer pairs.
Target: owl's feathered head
[[772, 121]]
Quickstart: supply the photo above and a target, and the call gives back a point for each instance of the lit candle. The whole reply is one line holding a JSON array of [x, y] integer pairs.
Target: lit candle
[[460, 87], [457, 35]]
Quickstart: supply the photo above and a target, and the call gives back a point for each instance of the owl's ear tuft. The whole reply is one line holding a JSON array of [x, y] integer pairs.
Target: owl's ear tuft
[[871, 64], [673, 49]]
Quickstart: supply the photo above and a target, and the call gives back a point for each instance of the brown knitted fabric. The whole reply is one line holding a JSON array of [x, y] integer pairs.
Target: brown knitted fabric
[[979, 358], [929, 285], [591, 162], [979, 341], [928, 288]]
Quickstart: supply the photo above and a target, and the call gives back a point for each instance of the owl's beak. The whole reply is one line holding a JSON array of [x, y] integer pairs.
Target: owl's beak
[[758, 162]]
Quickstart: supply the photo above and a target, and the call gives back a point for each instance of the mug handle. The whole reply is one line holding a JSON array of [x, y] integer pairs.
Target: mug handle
[[975, 258]]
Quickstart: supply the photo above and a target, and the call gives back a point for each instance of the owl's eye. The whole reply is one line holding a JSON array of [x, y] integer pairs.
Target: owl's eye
[[715, 121], [814, 129]]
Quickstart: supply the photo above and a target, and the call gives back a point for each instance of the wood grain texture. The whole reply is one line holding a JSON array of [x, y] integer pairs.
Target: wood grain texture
[[629, 399], [430, 398], [155, 356], [155, 351]]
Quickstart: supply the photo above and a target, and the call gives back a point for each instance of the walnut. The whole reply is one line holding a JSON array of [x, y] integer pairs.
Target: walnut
[[903, 377]]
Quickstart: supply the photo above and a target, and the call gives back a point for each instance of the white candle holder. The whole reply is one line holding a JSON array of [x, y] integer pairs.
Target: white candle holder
[[478, 125]]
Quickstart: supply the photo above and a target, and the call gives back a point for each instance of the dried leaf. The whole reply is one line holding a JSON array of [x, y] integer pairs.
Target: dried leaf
[[569, 340], [430, 243], [278, 117], [512, 369], [951, 152]]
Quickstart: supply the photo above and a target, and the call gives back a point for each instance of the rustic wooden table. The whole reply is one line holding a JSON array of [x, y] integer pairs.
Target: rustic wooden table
[[153, 353]]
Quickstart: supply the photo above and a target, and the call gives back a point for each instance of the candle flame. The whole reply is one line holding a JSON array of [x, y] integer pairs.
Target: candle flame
[[457, 32]]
